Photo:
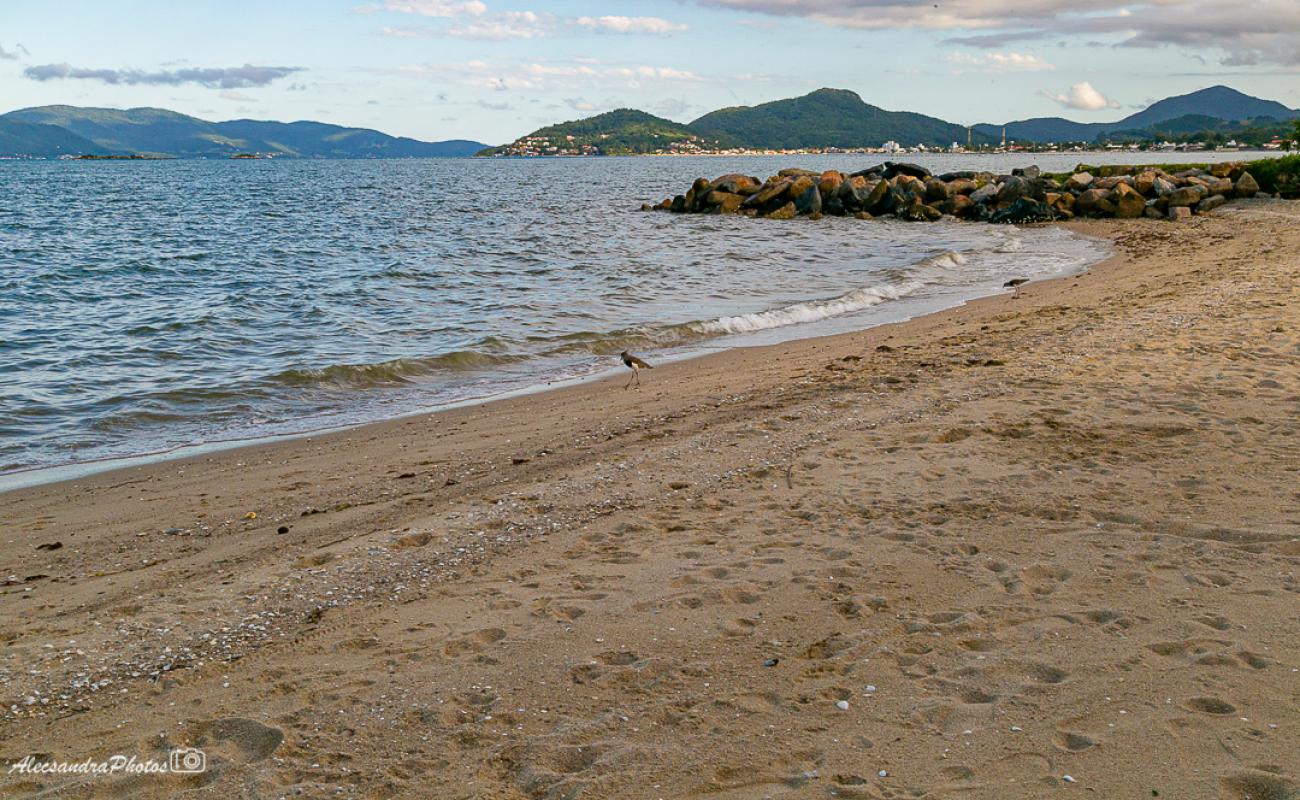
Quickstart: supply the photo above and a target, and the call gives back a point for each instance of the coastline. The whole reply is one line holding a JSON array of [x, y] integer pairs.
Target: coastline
[[888, 312], [990, 531]]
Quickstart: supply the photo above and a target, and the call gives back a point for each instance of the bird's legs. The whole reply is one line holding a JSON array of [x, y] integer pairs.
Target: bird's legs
[[636, 375]]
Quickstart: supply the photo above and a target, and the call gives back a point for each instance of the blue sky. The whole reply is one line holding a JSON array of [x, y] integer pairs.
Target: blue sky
[[492, 70]]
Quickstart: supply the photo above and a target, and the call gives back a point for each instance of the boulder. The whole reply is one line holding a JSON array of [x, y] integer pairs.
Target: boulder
[[1094, 203], [877, 171], [1162, 186], [809, 201], [770, 191], [1210, 203], [1079, 181], [892, 169], [1225, 169], [1128, 203], [724, 202], [1023, 210], [1065, 202], [964, 175], [936, 191], [876, 197], [1186, 196], [1112, 181], [801, 184], [1151, 212], [985, 193], [829, 182], [1221, 186], [1027, 172], [795, 172], [736, 184], [1179, 213], [1246, 186], [962, 186], [786, 211], [959, 205], [862, 215], [833, 206], [679, 204], [1012, 189], [1145, 183]]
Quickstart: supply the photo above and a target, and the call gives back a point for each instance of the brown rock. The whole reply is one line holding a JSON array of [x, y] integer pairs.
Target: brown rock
[[1186, 196], [1145, 183], [1079, 181], [936, 191], [724, 202], [1094, 203], [1179, 213], [829, 182], [1210, 203], [770, 191], [962, 186], [1128, 203], [1220, 186], [786, 211], [1246, 186], [801, 184]]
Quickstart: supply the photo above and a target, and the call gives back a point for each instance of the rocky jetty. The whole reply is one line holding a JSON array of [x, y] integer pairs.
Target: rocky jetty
[[911, 192]]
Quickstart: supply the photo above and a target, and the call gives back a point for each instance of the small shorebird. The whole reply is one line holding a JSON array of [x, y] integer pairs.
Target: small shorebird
[[1015, 283], [636, 365]]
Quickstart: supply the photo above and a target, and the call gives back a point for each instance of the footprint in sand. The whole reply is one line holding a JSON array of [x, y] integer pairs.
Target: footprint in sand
[[1210, 705], [474, 642], [1069, 742], [1257, 785]]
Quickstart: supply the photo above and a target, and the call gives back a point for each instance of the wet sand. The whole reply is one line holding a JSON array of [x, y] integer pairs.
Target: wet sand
[[963, 556]]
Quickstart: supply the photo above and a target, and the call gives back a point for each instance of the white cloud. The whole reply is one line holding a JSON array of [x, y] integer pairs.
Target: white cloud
[[503, 27], [999, 62], [610, 24], [1085, 97], [239, 97], [435, 8], [1258, 32], [535, 75]]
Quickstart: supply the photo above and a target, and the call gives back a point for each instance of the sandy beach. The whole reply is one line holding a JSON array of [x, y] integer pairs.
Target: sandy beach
[[1035, 545]]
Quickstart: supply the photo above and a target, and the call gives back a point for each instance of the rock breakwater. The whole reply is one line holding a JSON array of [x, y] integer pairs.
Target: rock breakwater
[[911, 192]]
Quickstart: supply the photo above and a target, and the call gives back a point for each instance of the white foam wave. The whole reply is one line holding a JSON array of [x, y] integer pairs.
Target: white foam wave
[[947, 260], [811, 311]]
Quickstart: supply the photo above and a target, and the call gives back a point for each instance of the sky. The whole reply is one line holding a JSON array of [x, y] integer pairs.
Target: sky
[[493, 70]]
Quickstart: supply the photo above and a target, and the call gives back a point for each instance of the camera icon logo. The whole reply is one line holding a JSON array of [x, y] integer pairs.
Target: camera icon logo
[[188, 761]]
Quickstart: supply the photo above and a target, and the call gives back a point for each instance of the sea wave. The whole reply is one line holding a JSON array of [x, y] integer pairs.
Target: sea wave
[[811, 311]]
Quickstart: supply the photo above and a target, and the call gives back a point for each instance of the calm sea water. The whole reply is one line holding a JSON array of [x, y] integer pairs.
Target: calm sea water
[[146, 306]]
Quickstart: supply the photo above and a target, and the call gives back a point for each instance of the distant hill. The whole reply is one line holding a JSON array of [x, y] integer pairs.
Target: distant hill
[[43, 141], [825, 118], [624, 131], [156, 131], [1218, 103]]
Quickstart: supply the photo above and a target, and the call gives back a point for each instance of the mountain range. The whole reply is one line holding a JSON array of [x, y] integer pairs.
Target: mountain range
[[838, 118], [51, 131], [1177, 114], [826, 118]]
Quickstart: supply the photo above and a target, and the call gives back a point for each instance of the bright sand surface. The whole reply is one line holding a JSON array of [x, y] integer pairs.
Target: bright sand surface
[[964, 556]]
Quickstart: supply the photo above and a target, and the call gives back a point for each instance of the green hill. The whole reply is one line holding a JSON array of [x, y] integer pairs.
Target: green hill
[[1208, 108], [625, 131], [156, 131], [43, 141], [826, 118]]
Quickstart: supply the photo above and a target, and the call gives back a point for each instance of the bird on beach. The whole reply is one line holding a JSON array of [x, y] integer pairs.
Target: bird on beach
[[636, 365], [1015, 283]]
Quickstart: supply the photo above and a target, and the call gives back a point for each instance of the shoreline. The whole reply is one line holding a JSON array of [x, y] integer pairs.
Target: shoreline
[[970, 553], [45, 475]]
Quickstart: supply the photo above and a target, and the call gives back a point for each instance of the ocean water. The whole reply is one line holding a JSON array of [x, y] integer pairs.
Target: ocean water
[[149, 306]]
